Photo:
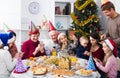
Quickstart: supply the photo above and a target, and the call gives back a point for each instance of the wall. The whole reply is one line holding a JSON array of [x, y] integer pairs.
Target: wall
[[16, 15], [10, 13], [46, 8]]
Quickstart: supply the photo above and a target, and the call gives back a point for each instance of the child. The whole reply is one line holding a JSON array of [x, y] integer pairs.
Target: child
[[82, 47], [109, 65]]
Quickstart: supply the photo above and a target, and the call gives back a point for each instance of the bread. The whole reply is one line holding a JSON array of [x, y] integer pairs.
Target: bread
[[62, 72], [40, 71], [84, 72]]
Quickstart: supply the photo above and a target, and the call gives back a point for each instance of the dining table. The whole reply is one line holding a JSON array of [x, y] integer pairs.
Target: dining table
[[29, 73]]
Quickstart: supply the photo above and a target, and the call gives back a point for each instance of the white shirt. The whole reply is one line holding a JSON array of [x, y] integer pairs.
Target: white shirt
[[7, 64]]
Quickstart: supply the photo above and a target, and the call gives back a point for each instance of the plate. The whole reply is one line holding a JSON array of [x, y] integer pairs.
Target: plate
[[83, 75]]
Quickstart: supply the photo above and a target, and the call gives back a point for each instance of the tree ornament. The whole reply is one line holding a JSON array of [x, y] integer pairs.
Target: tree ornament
[[89, 17], [96, 29], [76, 17], [96, 20], [83, 11], [91, 25], [92, 4], [73, 28]]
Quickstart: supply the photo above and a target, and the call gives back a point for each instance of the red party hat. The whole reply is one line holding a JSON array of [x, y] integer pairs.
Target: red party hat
[[33, 29], [112, 45], [51, 27]]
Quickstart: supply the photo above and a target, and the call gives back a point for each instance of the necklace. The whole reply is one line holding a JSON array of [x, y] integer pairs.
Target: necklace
[[94, 48]]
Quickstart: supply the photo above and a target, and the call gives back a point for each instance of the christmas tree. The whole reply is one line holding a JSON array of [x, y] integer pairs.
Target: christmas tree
[[85, 20]]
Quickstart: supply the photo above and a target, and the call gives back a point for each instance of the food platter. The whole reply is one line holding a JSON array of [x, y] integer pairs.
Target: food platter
[[84, 73]]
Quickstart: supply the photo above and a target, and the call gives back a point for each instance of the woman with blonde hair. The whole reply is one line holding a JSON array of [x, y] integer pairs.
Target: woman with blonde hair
[[109, 65]]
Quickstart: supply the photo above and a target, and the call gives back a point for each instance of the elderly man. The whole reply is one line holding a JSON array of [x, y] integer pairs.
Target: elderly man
[[53, 34]]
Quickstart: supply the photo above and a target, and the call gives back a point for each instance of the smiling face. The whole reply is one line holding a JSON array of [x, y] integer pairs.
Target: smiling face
[[34, 37], [109, 13], [84, 43], [93, 41], [105, 48], [63, 39], [53, 35], [109, 9]]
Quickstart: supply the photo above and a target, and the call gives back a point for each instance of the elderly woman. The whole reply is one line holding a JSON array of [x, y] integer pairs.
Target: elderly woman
[[33, 47]]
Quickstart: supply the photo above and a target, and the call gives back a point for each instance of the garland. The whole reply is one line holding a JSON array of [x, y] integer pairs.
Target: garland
[[82, 6], [82, 23], [83, 33]]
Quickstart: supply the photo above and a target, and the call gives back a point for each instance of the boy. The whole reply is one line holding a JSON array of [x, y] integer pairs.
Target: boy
[[82, 47]]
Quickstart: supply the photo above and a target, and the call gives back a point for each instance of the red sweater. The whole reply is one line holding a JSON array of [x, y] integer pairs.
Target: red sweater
[[99, 53], [28, 48]]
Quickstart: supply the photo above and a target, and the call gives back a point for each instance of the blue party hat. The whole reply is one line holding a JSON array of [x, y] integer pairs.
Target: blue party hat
[[90, 65], [5, 36]]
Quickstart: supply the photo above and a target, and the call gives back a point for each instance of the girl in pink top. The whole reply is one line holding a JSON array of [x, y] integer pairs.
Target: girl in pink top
[[109, 65]]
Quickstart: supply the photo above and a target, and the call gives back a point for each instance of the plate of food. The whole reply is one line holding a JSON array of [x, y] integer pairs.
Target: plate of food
[[39, 70], [83, 72]]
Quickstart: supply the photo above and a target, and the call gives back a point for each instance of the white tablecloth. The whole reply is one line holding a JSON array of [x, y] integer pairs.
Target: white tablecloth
[[29, 74]]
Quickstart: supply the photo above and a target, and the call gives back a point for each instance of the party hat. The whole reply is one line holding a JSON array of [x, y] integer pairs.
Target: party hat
[[6, 27], [20, 67], [112, 45], [5, 36], [33, 29], [51, 27], [90, 65], [104, 1]]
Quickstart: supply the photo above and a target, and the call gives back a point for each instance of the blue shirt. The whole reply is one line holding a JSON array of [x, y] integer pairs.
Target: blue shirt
[[80, 52]]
